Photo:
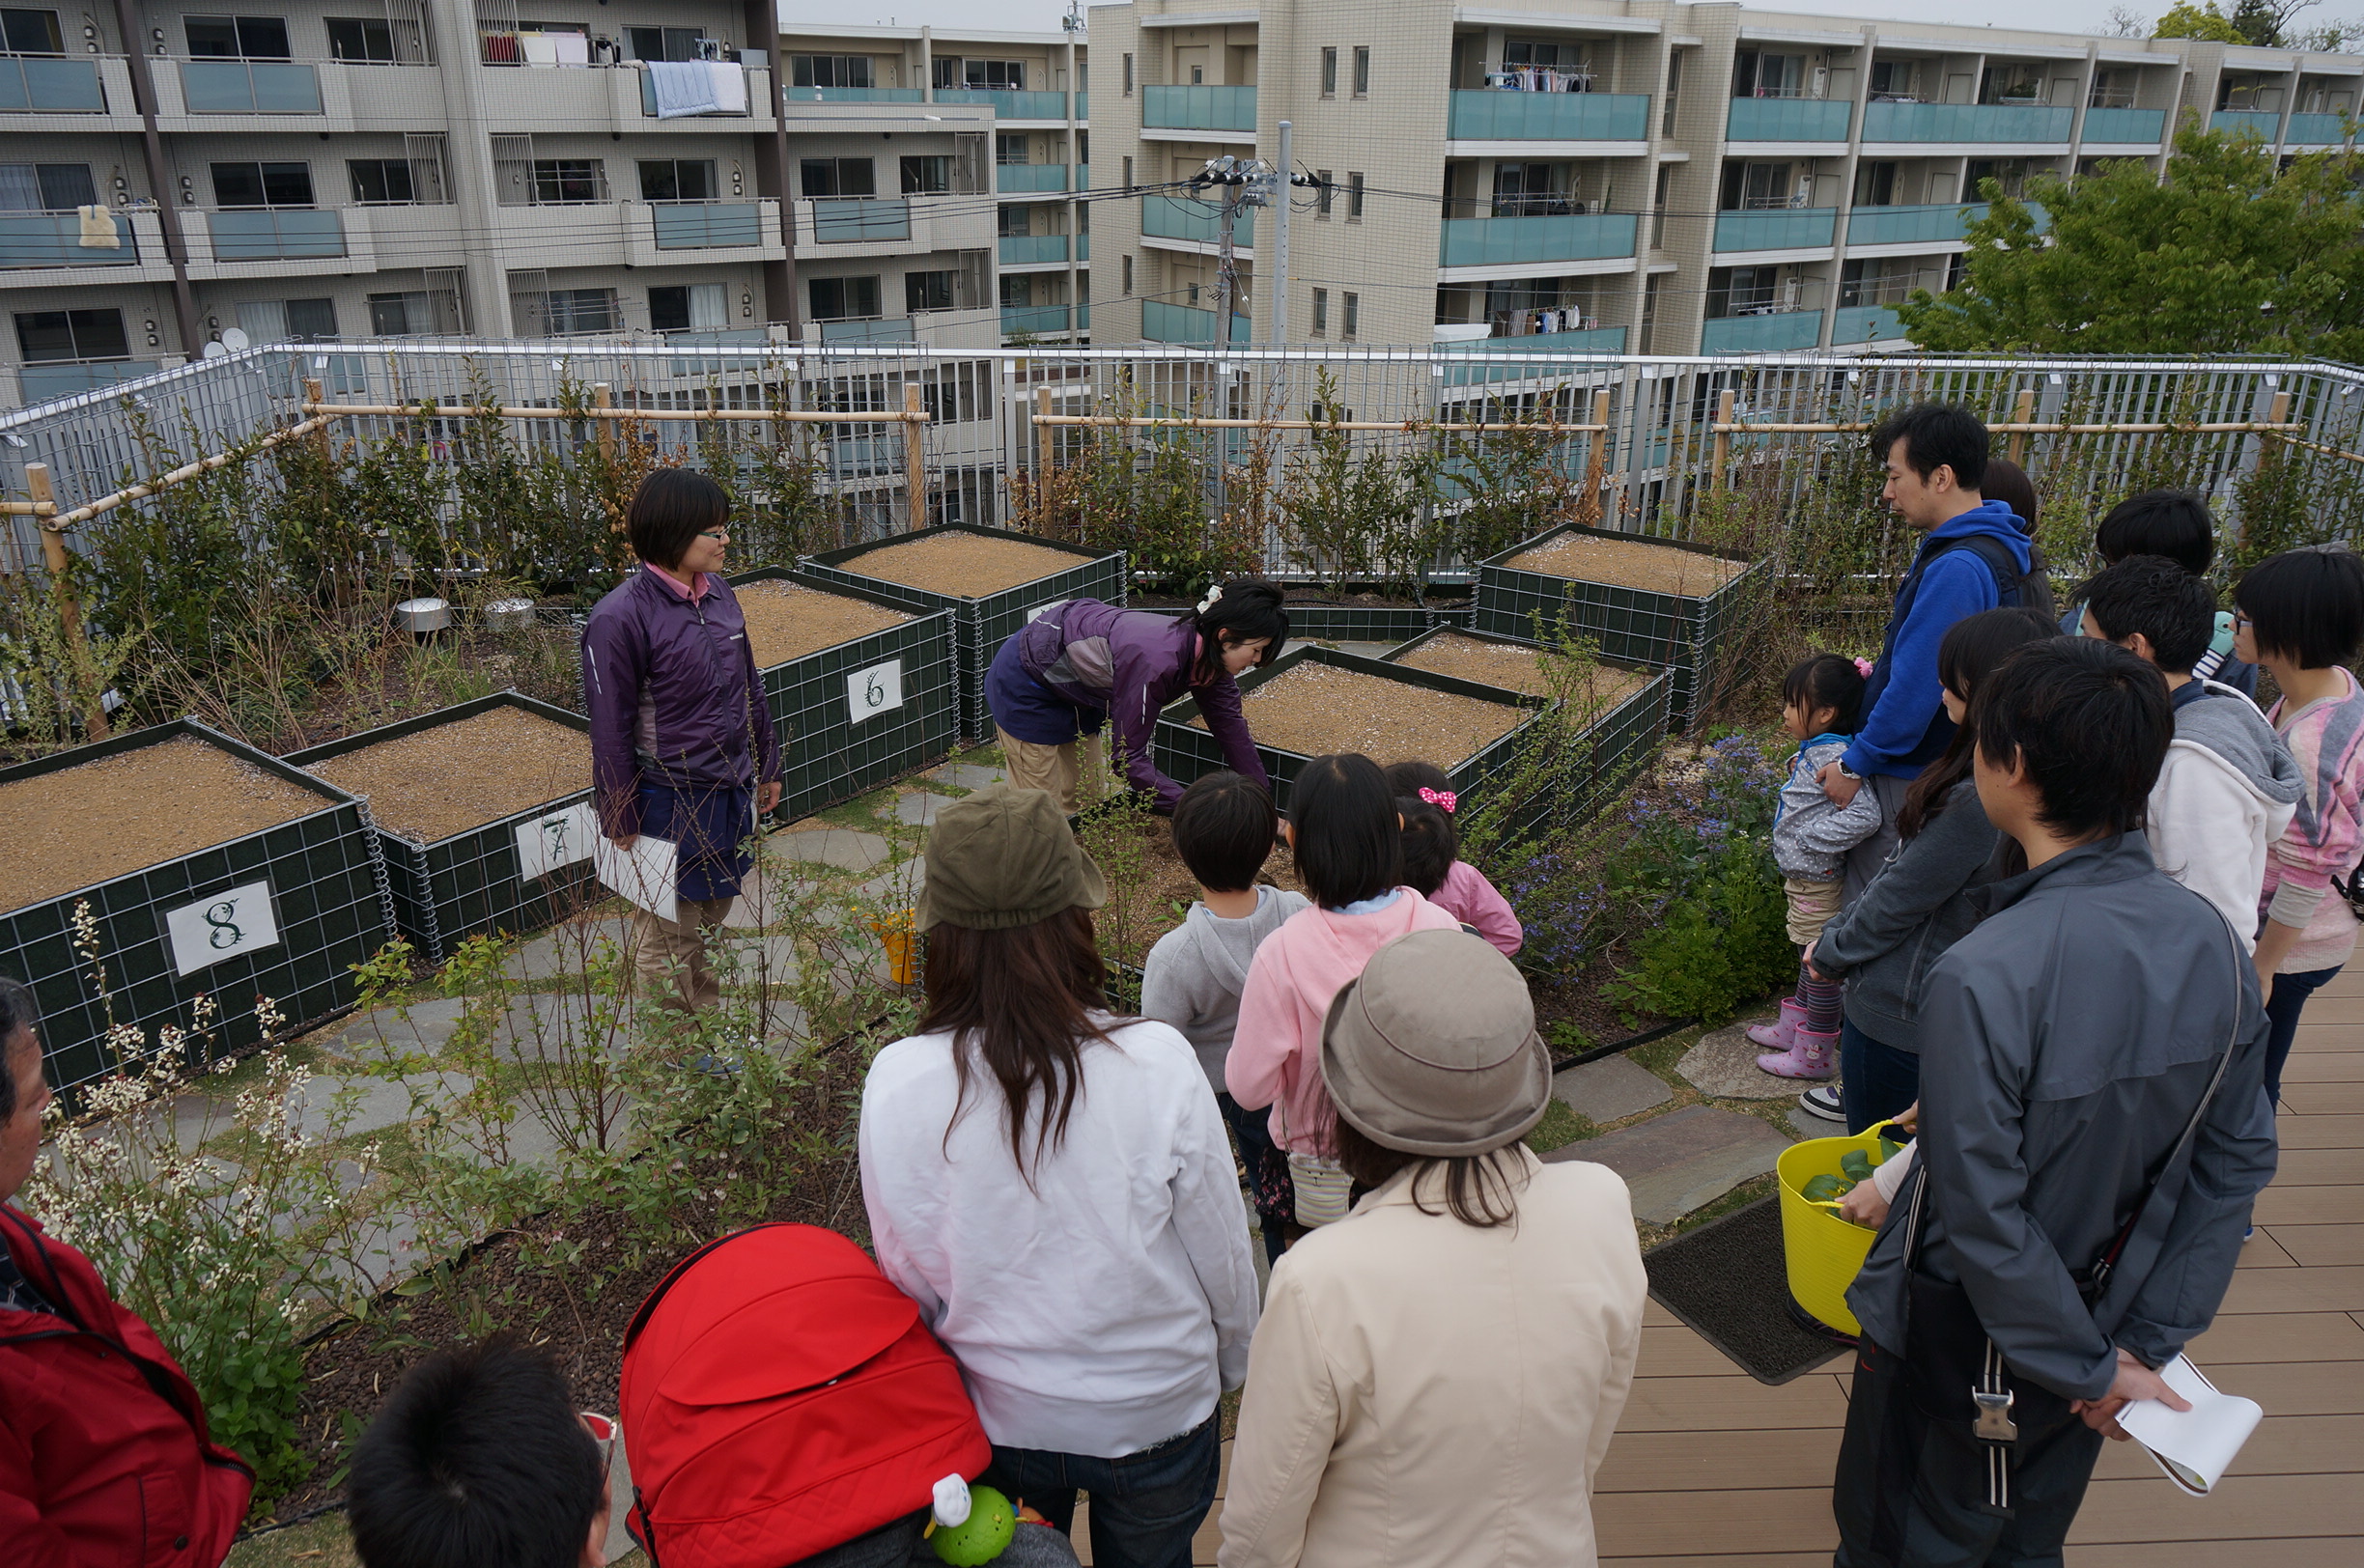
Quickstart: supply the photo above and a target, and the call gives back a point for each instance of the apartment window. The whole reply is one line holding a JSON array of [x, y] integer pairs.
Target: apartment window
[[1362, 67], [1891, 79], [1012, 220], [1009, 147], [1321, 313], [1128, 75], [1354, 197], [364, 39], [283, 320], [694, 307], [1658, 204], [1323, 192], [568, 182], [829, 70], [1350, 314], [1757, 188], [1018, 292], [680, 180], [236, 38], [402, 314], [1125, 283], [1128, 176], [30, 31], [48, 335], [262, 184], [926, 174], [667, 42], [1876, 185], [929, 290], [46, 187], [1674, 89], [378, 182], [838, 299], [1083, 146], [1329, 79], [1757, 75], [1742, 291], [837, 176], [994, 76], [1650, 312], [574, 311]]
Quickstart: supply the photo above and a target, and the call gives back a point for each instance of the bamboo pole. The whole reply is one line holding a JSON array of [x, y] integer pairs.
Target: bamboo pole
[[1595, 468], [1723, 428], [187, 471], [2023, 410], [55, 564], [1046, 436], [2229, 426], [1401, 427], [312, 399], [602, 401], [605, 411], [914, 457]]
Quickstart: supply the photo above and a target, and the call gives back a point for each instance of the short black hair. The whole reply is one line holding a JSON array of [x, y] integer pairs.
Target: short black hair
[[1342, 816], [1430, 844], [2008, 483], [2173, 524], [476, 1458], [1248, 610], [2306, 604], [2090, 724], [1223, 829], [2156, 597], [1826, 681], [672, 507], [17, 1011], [1936, 435]]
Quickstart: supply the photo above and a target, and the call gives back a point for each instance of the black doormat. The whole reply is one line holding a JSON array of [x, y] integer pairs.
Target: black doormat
[[1728, 1282]]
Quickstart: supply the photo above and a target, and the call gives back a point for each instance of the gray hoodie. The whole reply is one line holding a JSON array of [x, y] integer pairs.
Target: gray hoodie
[[2226, 790], [1193, 976]]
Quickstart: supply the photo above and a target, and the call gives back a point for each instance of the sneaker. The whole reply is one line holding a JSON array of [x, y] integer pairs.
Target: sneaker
[[2249, 1234], [1822, 1100]]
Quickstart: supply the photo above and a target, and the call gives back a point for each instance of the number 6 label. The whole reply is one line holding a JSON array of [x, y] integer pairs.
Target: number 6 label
[[223, 925], [876, 690]]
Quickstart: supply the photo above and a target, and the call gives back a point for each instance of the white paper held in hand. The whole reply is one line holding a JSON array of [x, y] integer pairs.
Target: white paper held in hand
[[648, 873], [2195, 1446]]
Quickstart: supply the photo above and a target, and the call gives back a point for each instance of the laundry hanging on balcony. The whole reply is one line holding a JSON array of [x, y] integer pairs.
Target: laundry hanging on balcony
[[686, 87], [99, 229]]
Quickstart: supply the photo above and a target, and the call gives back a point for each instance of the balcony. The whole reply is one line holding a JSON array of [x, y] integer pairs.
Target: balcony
[[1009, 104], [31, 84], [1977, 123], [2267, 123], [1034, 249], [2316, 130], [1788, 120], [1866, 324], [1484, 115], [846, 220], [1163, 323], [1783, 228], [706, 225], [749, 83], [55, 239], [1038, 321], [1938, 224], [1769, 333], [1177, 217], [1513, 242], [1499, 359], [1027, 178], [250, 87], [269, 234], [1199, 108], [855, 94], [868, 330], [2124, 128], [39, 382]]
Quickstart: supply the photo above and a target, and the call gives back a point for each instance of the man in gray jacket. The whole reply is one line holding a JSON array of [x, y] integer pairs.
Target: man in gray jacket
[[2092, 1130]]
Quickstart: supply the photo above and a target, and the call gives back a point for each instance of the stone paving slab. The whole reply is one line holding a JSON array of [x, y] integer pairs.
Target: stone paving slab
[[845, 847], [377, 1103], [562, 949], [968, 775], [1678, 1163], [899, 885], [1724, 1064], [919, 808], [1610, 1089], [420, 1026]]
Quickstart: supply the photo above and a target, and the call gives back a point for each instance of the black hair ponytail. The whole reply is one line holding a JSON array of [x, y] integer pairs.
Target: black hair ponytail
[[1246, 610]]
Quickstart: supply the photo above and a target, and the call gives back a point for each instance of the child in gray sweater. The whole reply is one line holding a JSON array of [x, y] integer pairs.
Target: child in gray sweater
[[1224, 827]]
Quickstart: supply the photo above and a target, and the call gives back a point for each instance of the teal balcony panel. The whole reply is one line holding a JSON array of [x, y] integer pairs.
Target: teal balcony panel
[[250, 87], [1009, 104], [29, 84], [844, 220], [1083, 176], [1083, 247], [1866, 323], [1788, 120], [2124, 128], [1500, 359], [1020, 179], [55, 239], [1782, 228], [822, 95], [1166, 322], [1484, 115], [707, 224], [1034, 320], [868, 330], [266, 234], [1939, 223], [2267, 123], [1775, 334], [1181, 218], [1030, 249], [42, 382], [2316, 130], [1083, 102], [1966, 123], [1198, 108], [1506, 242]]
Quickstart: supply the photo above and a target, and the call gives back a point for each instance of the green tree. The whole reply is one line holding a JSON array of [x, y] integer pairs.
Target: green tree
[[2183, 19], [2228, 254]]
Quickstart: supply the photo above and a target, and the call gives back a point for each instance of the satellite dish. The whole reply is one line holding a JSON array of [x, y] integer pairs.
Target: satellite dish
[[214, 350], [235, 338]]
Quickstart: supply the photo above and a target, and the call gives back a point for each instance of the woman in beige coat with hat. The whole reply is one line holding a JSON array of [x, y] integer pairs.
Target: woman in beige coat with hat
[[1436, 1377]]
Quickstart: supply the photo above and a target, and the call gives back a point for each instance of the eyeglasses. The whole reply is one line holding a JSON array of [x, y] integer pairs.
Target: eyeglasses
[[603, 1430], [718, 535]]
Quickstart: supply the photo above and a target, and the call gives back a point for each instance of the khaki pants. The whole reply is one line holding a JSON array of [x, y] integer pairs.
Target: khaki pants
[[1060, 770], [670, 961], [1814, 903]]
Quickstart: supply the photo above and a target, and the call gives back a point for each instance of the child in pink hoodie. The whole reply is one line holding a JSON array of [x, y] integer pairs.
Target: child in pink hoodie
[[1433, 863], [1347, 836]]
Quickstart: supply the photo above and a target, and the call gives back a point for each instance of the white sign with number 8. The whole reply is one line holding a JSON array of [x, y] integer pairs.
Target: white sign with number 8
[[221, 926], [876, 690]]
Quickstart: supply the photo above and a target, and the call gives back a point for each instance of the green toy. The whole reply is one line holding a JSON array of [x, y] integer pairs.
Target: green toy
[[973, 1524]]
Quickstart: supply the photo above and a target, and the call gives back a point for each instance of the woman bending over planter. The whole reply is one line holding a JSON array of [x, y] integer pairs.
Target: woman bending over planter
[[682, 746]]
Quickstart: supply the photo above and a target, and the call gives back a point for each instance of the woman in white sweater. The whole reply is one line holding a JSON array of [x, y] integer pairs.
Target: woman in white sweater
[[1054, 1187]]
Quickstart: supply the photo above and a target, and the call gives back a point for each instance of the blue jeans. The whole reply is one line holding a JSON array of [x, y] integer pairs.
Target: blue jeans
[[1145, 1507], [2290, 996], [1875, 1081], [1267, 1167]]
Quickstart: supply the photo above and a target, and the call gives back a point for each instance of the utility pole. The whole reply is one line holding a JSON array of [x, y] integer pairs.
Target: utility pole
[[1279, 282], [1237, 180]]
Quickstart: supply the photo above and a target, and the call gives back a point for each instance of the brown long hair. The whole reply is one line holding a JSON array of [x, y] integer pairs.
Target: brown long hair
[[1018, 1004], [1477, 1189], [1972, 650]]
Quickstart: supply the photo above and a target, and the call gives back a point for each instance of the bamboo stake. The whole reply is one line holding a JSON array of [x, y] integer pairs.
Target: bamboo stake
[[1402, 427], [187, 471], [2229, 426], [69, 606], [2023, 409], [1600, 453], [914, 457], [602, 400], [605, 411], [1046, 436], [1723, 427], [312, 397]]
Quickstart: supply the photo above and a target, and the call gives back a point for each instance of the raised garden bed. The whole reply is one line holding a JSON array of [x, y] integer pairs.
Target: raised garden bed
[[1349, 616], [992, 579], [209, 868], [862, 690], [1657, 601], [482, 813]]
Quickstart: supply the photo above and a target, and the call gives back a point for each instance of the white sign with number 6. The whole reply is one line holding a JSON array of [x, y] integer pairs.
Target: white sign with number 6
[[876, 690], [555, 839], [224, 925]]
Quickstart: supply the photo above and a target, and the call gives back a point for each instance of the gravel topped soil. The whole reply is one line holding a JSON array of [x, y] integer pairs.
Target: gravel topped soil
[[1509, 666], [1630, 563], [1316, 709], [112, 816], [787, 620], [462, 774], [964, 566]]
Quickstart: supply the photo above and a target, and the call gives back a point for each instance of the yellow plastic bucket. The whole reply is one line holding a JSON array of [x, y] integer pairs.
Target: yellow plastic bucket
[[901, 941], [1823, 1253]]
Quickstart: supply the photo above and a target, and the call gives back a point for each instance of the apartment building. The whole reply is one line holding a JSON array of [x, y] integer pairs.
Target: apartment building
[[939, 182], [348, 168], [1637, 175]]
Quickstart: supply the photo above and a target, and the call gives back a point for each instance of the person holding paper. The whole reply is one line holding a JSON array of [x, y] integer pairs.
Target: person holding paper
[[682, 744]]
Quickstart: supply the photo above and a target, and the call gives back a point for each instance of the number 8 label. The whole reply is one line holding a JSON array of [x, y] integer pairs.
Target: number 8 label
[[220, 926], [876, 690]]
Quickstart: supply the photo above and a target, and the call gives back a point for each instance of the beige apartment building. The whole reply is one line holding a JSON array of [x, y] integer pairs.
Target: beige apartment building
[[1619, 175]]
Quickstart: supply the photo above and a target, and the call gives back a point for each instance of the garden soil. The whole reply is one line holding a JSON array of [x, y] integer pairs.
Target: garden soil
[[963, 566], [787, 620], [1514, 668], [117, 814], [1630, 563], [1315, 710], [464, 774]]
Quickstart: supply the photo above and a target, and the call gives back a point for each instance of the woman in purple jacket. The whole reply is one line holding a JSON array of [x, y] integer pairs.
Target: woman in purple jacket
[[682, 745], [1064, 674]]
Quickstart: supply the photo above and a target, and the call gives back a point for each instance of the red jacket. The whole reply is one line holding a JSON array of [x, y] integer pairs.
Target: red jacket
[[103, 1456]]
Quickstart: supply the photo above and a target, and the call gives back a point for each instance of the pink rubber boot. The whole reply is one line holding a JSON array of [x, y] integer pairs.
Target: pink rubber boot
[[1777, 1036], [1809, 1055]]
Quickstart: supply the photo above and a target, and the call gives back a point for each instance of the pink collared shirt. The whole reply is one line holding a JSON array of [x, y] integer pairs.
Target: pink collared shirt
[[698, 589]]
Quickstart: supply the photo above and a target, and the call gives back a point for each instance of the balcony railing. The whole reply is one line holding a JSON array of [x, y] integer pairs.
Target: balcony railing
[[855, 94], [31, 84], [39, 382], [2124, 128], [2267, 123], [1166, 322], [1083, 247], [1031, 249], [1038, 321], [2316, 130], [55, 239], [1866, 323], [1508, 242], [1083, 102], [1772, 333], [1498, 359], [648, 101], [707, 224], [1936, 224], [264, 234], [250, 87], [1009, 104], [1176, 217], [844, 220], [868, 330], [1966, 123], [1083, 176], [1483, 116], [1793, 227], [1788, 120], [1018, 179], [1198, 108]]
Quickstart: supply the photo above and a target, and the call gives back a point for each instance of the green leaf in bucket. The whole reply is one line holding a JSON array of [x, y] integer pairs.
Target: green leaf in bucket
[[1824, 1188], [1888, 1149], [1856, 1166]]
